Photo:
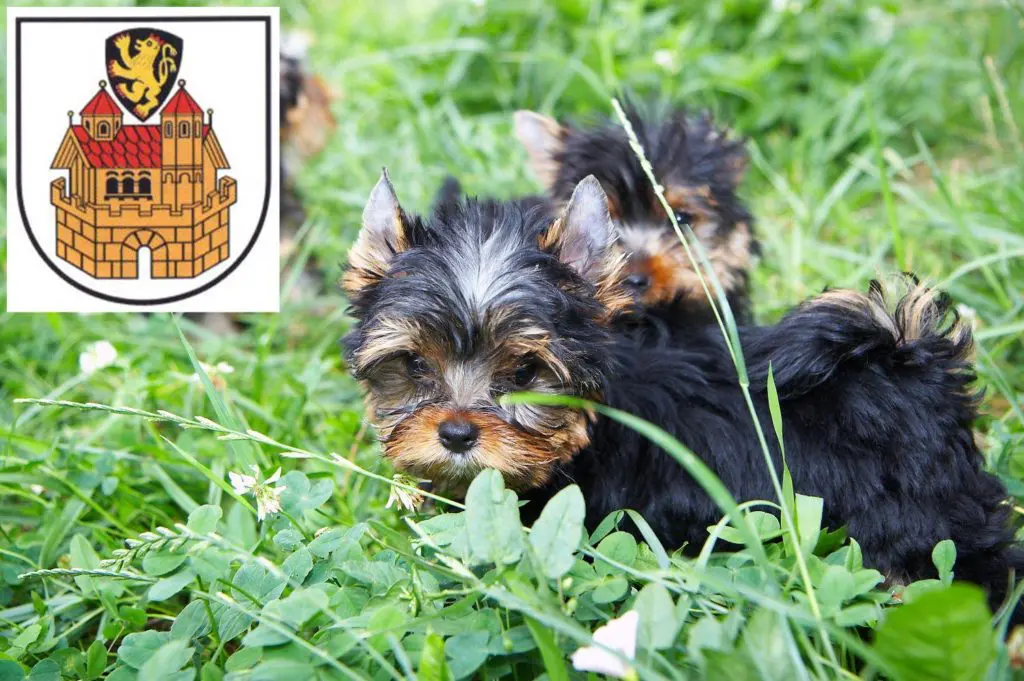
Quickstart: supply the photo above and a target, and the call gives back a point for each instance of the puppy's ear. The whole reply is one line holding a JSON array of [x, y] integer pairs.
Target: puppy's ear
[[382, 237], [583, 234], [543, 137], [737, 160]]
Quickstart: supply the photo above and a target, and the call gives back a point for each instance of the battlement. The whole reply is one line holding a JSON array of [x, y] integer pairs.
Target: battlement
[[102, 215], [105, 241]]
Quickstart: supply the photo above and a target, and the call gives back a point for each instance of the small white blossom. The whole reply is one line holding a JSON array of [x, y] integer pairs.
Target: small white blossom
[[96, 356], [268, 499], [37, 489], [619, 634], [666, 59], [216, 374], [404, 498]]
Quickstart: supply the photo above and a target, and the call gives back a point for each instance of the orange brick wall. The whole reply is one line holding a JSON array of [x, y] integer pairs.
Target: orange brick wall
[[106, 246]]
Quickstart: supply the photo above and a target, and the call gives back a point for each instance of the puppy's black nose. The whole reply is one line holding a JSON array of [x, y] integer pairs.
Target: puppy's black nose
[[638, 281], [457, 435]]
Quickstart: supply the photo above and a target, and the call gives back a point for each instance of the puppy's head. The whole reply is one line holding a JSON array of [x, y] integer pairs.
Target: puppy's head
[[700, 168], [480, 299]]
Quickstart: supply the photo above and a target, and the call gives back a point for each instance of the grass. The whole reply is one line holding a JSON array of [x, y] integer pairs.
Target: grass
[[882, 136]]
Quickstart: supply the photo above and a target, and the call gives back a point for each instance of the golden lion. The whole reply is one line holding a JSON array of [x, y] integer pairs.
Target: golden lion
[[144, 84]]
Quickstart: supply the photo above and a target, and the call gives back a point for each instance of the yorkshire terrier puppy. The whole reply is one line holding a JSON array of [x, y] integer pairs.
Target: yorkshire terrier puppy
[[701, 168], [483, 298]]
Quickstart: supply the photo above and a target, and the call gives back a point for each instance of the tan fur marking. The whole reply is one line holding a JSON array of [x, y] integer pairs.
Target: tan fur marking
[[525, 460], [673, 276], [907, 309]]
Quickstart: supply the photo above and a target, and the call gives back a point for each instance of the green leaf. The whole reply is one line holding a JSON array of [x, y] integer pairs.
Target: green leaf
[[96, 660], [734, 666], [204, 519], [857, 615], [136, 649], [166, 661], [774, 407], [123, 674], [834, 588], [192, 622], [433, 666], [619, 547], [943, 557], [557, 532], [653, 543], [27, 636], [159, 563], [658, 622], [300, 495], [706, 634], [550, 653], [11, 671], [770, 646], [169, 586], [84, 557], [326, 542], [300, 605], [57, 529], [298, 565], [211, 673], [466, 652], [241, 526], [283, 670], [808, 521], [942, 635], [611, 590], [45, 670], [492, 519], [764, 524]]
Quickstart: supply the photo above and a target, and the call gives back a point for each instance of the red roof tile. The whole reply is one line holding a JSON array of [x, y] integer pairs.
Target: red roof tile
[[134, 146], [182, 103], [121, 152], [102, 104]]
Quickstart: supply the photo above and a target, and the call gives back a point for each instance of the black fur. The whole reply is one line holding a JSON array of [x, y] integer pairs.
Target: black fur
[[878, 426]]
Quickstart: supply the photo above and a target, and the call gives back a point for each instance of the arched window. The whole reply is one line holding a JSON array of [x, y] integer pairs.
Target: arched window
[[111, 185], [88, 127], [128, 185], [103, 128], [169, 130], [144, 186], [183, 129]]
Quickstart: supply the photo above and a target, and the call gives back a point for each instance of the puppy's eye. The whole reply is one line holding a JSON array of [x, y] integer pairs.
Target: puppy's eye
[[525, 373], [416, 365], [684, 217]]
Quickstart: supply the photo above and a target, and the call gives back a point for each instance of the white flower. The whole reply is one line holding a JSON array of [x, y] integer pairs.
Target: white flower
[[268, 499], [97, 356], [405, 498], [37, 489], [216, 374], [666, 59], [620, 635]]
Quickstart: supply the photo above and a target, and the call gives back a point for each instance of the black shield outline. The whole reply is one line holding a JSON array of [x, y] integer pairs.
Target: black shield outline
[[113, 56], [266, 21]]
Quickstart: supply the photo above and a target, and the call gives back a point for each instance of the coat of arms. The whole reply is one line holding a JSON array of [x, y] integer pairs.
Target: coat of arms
[[141, 64], [143, 170], [135, 186]]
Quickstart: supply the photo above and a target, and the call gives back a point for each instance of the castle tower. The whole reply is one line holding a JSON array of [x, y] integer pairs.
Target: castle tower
[[101, 117], [181, 127]]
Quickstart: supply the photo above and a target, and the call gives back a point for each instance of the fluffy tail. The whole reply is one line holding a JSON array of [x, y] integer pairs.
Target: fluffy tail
[[896, 326]]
